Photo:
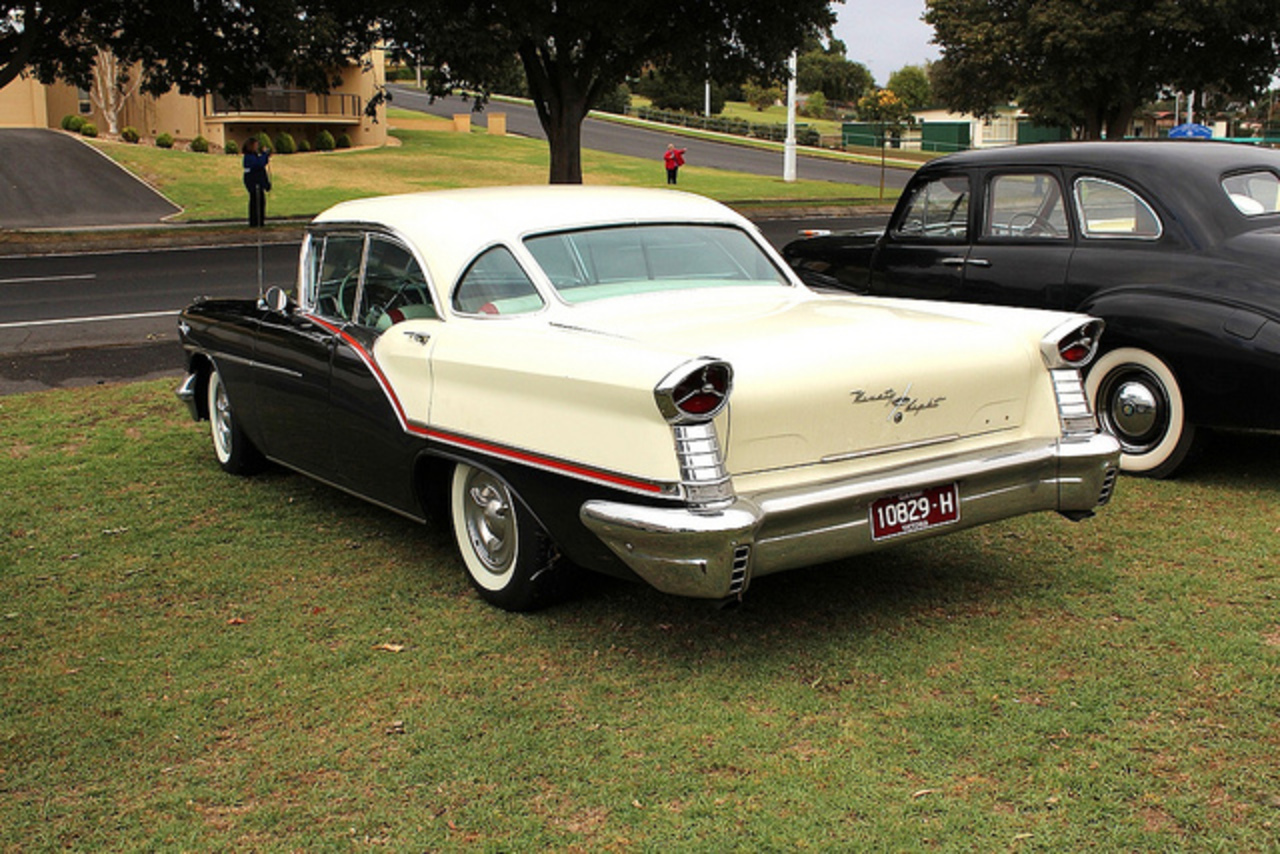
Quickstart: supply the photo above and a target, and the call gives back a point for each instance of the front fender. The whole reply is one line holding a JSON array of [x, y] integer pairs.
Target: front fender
[[1224, 355]]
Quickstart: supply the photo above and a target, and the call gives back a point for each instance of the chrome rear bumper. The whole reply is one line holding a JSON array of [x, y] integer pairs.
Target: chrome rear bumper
[[703, 554]]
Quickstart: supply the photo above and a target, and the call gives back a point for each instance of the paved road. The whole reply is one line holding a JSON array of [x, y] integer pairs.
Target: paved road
[[75, 320], [615, 138], [52, 180]]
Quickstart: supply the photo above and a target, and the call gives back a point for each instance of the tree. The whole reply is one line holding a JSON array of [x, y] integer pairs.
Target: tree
[[762, 96], [1090, 64], [911, 84], [221, 46], [829, 72], [573, 51], [113, 83], [678, 90]]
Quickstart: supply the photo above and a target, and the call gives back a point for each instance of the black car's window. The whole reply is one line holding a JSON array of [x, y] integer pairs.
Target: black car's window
[[1253, 193], [1108, 210], [1026, 207], [335, 273], [938, 208], [393, 288], [496, 284]]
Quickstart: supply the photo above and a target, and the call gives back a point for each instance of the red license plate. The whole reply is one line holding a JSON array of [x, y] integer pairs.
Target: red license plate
[[909, 512]]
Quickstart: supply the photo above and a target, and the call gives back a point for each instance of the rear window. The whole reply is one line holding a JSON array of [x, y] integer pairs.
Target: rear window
[[606, 262], [1253, 193]]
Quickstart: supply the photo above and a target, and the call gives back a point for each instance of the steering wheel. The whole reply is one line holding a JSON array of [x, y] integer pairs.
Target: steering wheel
[[345, 308], [1033, 223]]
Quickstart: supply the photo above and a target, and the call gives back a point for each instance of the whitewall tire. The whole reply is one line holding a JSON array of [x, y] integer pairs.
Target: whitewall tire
[[1139, 401]]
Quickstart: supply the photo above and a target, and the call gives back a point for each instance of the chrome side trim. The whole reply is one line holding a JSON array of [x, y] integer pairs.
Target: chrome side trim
[[241, 360]]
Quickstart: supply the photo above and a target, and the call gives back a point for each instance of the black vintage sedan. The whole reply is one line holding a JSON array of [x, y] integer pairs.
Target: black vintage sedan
[[1176, 244]]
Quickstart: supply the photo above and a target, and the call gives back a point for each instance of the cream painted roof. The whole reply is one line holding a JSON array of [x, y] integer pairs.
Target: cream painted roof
[[450, 227]]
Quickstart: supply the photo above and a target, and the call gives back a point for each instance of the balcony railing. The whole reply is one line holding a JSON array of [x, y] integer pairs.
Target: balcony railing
[[292, 102]]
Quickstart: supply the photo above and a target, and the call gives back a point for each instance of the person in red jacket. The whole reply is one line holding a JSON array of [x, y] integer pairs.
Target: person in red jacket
[[674, 159]]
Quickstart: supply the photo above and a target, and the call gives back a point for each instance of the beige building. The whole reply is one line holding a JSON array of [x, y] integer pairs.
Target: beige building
[[25, 102]]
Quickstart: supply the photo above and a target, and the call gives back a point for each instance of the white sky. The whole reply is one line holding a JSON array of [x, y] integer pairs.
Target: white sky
[[884, 35]]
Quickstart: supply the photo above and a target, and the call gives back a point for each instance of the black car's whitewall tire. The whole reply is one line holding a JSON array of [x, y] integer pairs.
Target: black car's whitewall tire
[[509, 559], [1139, 401], [235, 453]]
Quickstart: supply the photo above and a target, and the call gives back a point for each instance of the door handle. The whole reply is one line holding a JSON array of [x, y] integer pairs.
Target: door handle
[[960, 262], [418, 337]]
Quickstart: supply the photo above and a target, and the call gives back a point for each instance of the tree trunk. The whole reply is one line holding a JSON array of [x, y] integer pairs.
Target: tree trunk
[[1119, 121], [561, 100], [564, 137]]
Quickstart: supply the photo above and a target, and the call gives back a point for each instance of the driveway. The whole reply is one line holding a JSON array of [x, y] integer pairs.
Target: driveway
[[50, 179]]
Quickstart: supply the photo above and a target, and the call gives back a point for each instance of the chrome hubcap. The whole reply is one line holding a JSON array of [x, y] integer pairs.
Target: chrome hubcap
[[222, 419], [490, 526], [1135, 408]]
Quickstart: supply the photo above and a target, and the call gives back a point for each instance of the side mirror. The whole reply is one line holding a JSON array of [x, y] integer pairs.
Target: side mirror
[[277, 300]]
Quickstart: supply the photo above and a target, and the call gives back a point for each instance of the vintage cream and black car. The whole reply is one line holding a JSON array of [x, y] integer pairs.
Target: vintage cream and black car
[[632, 381]]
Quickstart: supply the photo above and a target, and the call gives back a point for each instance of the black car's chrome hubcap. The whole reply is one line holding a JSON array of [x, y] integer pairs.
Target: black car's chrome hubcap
[[1135, 408]]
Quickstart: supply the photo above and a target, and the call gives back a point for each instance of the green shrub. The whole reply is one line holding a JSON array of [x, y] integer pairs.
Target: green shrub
[[72, 123], [200, 145], [88, 129], [343, 141], [325, 141], [285, 144], [264, 141], [130, 134], [164, 140], [230, 147], [303, 146]]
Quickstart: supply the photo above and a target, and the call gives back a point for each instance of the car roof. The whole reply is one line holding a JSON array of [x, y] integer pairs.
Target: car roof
[[450, 227], [1197, 156], [1180, 176]]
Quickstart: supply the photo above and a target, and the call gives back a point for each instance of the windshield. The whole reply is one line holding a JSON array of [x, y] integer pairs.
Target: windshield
[[619, 261]]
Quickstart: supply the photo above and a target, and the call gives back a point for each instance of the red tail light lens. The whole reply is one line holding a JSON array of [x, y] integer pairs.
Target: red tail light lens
[[1075, 353], [695, 392], [703, 391]]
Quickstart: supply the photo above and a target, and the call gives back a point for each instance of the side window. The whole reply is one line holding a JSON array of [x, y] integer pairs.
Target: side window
[[1110, 210], [393, 288], [1026, 207], [496, 284], [939, 208], [1253, 193], [335, 272]]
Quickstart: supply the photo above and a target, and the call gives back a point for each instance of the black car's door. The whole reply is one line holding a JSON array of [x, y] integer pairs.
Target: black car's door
[[373, 451], [1024, 245], [922, 254], [295, 357]]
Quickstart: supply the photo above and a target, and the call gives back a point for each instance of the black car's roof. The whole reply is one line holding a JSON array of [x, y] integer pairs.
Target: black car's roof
[[1185, 156], [1182, 176]]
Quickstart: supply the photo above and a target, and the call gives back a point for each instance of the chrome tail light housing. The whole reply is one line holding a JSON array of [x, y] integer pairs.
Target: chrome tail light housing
[[689, 398], [1072, 344]]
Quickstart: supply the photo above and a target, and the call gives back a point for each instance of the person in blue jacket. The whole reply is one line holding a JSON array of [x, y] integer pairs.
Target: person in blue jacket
[[256, 180]]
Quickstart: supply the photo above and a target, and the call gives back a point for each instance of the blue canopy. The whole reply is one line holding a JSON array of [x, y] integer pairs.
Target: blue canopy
[[1191, 130]]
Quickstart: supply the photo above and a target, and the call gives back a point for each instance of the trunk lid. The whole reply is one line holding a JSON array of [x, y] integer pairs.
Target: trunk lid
[[824, 379]]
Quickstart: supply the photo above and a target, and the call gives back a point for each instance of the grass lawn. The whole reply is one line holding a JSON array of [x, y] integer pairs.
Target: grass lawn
[[208, 186], [194, 661]]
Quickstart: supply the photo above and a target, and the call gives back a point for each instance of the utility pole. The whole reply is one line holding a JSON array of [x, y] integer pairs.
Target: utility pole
[[789, 149]]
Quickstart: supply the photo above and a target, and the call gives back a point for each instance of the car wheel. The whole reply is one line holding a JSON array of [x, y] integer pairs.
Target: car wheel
[[235, 453], [510, 560], [1139, 401]]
